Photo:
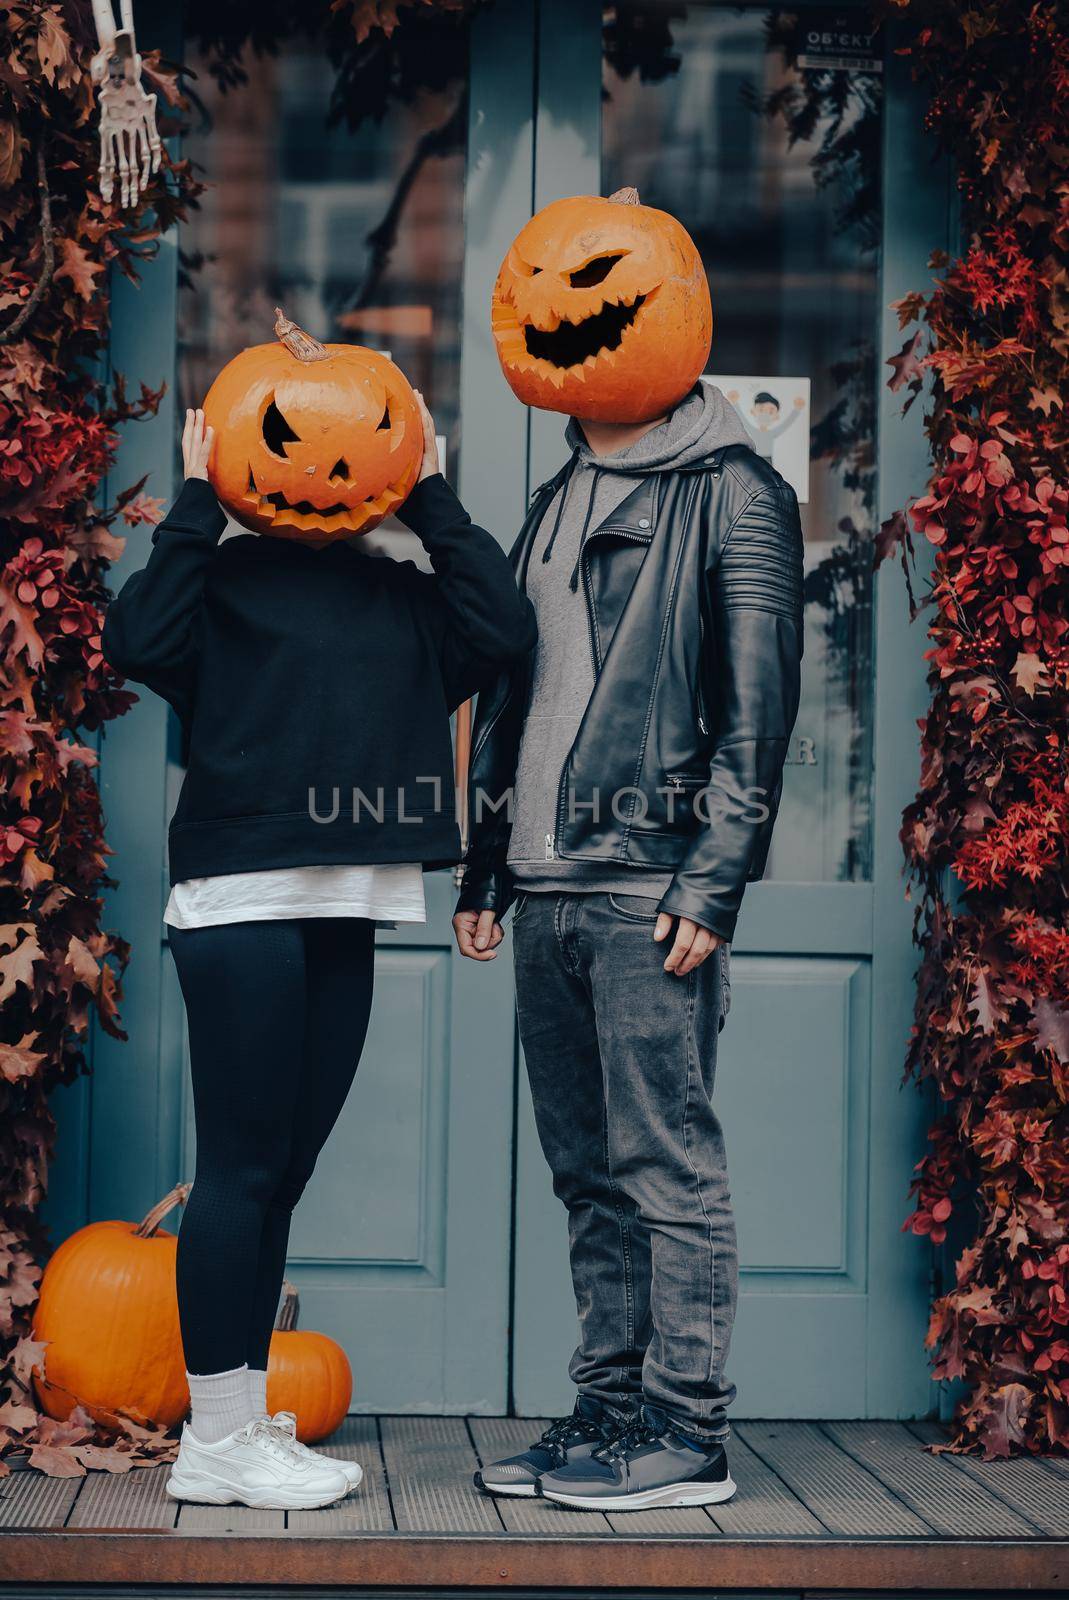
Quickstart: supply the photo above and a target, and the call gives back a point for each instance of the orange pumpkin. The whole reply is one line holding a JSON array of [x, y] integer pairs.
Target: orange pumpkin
[[312, 441], [308, 1374], [108, 1313], [601, 309]]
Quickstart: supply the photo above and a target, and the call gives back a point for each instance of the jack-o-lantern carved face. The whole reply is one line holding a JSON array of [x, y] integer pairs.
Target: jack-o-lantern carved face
[[601, 309], [312, 441]]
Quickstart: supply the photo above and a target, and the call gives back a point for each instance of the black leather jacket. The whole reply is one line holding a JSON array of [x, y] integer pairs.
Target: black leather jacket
[[694, 595]]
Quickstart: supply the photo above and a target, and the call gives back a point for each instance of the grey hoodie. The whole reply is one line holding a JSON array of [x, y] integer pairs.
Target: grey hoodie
[[563, 676]]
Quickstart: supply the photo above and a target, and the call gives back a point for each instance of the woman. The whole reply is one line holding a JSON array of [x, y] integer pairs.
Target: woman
[[314, 686]]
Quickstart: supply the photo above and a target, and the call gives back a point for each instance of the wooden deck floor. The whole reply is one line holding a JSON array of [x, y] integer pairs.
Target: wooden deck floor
[[836, 1506]]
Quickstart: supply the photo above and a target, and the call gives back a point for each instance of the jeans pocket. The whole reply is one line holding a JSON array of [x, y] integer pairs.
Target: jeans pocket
[[634, 907]]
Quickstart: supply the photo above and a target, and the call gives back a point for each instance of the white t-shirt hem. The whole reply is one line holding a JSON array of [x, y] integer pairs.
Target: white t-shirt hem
[[388, 893], [295, 913]]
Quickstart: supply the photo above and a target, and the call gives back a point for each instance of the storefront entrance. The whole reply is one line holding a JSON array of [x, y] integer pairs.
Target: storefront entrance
[[429, 1242]]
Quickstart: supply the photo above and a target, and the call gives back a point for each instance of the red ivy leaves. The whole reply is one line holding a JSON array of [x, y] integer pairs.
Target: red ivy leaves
[[57, 441], [987, 837]]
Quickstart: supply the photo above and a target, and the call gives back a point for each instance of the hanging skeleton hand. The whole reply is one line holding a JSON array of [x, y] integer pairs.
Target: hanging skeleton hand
[[129, 142]]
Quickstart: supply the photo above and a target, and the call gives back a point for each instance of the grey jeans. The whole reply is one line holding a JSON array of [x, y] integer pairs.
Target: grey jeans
[[621, 1057]]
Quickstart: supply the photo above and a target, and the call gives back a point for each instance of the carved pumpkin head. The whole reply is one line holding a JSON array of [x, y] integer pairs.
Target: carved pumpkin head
[[601, 309], [312, 441]]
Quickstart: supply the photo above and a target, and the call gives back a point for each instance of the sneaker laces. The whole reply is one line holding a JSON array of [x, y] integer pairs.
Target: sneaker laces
[[555, 1438], [284, 1424], [634, 1435], [265, 1431]]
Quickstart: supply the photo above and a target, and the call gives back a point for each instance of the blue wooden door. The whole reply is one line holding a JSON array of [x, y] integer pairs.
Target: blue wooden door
[[821, 1139], [402, 1246]]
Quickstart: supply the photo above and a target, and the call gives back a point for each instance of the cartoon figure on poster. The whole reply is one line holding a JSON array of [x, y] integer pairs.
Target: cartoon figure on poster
[[775, 414]]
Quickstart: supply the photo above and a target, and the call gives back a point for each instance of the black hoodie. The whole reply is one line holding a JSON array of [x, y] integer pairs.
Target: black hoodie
[[314, 687]]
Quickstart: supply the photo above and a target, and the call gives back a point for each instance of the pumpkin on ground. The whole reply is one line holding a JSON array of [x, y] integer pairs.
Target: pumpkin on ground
[[312, 441], [108, 1313], [601, 310], [308, 1374]]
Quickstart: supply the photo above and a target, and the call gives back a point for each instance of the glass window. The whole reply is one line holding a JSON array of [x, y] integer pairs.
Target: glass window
[[772, 169], [356, 231]]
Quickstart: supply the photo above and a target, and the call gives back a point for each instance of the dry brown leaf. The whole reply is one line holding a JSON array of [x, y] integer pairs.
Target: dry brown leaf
[[56, 1461], [79, 268], [20, 1061]]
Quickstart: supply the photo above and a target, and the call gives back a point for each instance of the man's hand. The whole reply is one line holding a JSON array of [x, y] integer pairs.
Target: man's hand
[[430, 464], [197, 441], [692, 944], [478, 934]]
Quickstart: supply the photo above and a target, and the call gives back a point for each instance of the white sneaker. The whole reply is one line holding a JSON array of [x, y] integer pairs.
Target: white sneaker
[[286, 1423], [253, 1466]]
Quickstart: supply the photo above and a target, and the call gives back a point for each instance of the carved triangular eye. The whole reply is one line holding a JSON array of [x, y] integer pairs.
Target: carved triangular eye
[[595, 271], [385, 424], [277, 431]]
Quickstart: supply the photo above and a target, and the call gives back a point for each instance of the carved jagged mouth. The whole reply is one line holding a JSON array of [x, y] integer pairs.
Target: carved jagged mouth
[[572, 343], [303, 516], [570, 346], [305, 507]]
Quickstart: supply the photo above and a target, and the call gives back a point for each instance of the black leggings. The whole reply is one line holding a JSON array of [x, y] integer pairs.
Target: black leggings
[[278, 1014]]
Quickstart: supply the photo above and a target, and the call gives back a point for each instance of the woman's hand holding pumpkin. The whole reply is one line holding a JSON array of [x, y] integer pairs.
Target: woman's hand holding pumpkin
[[430, 464], [197, 441]]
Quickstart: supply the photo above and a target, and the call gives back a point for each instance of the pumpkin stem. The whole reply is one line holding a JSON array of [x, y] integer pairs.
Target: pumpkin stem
[[177, 1197], [297, 342], [625, 197], [291, 1308]]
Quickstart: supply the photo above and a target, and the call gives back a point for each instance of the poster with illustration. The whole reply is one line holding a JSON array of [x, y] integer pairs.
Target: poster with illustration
[[775, 413]]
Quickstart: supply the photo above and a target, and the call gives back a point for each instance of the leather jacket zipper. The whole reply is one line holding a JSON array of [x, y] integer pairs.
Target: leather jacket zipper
[[703, 721], [601, 533]]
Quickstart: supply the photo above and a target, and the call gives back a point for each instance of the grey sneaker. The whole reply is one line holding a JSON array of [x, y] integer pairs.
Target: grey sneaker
[[648, 1464], [571, 1439]]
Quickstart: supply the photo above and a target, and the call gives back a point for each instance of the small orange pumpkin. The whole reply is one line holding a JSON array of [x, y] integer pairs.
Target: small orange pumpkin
[[108, 1313], [601, 309], [312, 441], [307, 1373]]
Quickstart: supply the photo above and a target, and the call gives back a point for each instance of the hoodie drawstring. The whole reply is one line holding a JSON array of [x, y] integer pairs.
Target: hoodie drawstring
[[573, 581], [569, 473]]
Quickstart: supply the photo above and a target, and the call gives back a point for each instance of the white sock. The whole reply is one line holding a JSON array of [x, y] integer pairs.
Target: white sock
[[257, 1381], [219, 1402]]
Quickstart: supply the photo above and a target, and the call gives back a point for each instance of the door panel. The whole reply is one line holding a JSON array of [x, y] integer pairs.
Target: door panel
[[417, 1165], [792, 1095], [820, 1139], [390, 1134], [795, 1164], [401, 1248]]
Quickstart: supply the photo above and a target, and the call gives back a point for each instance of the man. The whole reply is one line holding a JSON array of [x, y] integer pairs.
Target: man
[[645, 741]]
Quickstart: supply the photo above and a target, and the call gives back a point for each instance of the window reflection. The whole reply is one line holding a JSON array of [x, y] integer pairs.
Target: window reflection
[[358, 232], [699, 111]]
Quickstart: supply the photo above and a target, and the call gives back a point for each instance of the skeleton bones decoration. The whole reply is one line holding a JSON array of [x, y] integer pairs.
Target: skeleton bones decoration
[[129, 142], [601, 310]]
